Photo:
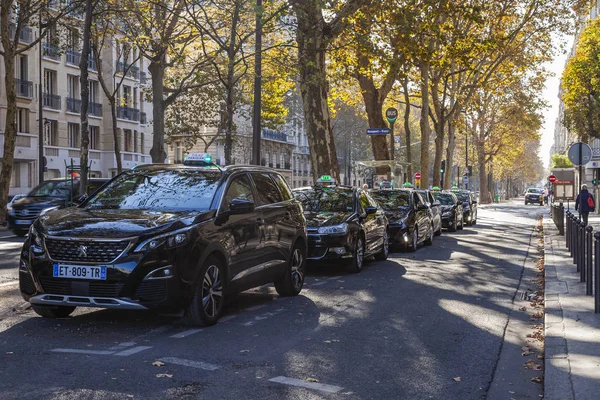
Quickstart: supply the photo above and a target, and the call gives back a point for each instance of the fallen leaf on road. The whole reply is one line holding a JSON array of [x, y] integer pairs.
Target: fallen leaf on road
[[158, 363], [531, 364], [327, 341], [537, 379], [523, 308], [9, 353], [164, 375], [511, 392], [311, 380], [457, 379], [244, 351]]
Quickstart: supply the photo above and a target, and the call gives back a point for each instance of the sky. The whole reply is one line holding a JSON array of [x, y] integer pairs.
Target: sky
[[551, 96]]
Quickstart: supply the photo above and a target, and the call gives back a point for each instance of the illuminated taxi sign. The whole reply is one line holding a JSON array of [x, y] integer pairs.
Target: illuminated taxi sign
[[436, 189], [198, 160]]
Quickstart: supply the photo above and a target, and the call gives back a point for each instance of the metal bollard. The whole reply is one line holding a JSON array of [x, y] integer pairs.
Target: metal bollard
[[581, 251], [568, 231], [561, 219], [573, 235], [588, 264], [597, 273], [576, 247]]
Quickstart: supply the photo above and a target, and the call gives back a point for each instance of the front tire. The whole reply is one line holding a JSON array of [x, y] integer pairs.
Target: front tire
[[439, 231], [454, 225], [358, 258], [429, 240], [293, 280], [206, 307], [385, 248], [52, 311]]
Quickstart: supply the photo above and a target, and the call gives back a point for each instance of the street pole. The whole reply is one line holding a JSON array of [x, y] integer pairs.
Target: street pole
[[257, 86], [467, 159], [40, 113], [580, 171], [392, 144]]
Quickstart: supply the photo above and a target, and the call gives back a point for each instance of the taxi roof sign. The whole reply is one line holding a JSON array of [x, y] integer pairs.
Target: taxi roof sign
[[325, 178], [198, 159]]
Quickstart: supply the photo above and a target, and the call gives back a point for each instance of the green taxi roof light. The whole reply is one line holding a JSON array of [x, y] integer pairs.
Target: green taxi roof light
[[325, 178]]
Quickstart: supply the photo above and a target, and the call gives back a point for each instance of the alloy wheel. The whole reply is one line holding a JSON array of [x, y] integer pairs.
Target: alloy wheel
[[360, 253], [212, 291], [297, 269], [386, 243]]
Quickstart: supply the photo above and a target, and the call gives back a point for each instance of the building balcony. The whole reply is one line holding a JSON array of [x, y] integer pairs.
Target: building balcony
[[73, 105], [274, 135], [130, 114], [26, 146], [73, 57], [130, 70], [143, 119], [24, 88], [95, 109], [52, 101], [51, 51], [25, 35], [143, 77]]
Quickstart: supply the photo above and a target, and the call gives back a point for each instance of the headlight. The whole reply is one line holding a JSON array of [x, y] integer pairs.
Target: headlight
[[340, 229], [35, 237], [48, 209], [171, 239]]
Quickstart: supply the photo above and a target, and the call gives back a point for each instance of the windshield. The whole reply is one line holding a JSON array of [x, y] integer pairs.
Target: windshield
[[463, 197], [60, 189], [536, 191], [392, 200], [445, 199], [326, 200], [172, 190]]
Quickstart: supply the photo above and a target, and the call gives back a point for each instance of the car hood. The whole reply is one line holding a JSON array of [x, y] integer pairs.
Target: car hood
[[394, 216], [26, 202], [319, 219], [81, 222]]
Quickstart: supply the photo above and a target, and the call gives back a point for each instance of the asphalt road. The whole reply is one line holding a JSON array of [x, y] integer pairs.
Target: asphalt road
[[424, 325]]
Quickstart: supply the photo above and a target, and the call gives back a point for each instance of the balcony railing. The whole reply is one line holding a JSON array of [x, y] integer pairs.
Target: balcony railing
[[73, 105], [24, 88], [143, 119], [73, 57], [25, 36], [52, 101], [131, 114], [143, 77], [132, 70], [95, 109], [51, 51], [274, 135]]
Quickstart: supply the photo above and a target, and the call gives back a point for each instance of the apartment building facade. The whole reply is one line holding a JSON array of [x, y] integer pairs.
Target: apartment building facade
[[61, 105]]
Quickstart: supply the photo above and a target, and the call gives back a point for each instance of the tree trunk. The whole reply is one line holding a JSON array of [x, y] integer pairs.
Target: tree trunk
[[424, 123], [10, 124], [314, 86], [484, 195], [450, 155], [229, 106], [157, 70], [439, 153], [116, 137], [85, 98], [407, 128], [374, 108]]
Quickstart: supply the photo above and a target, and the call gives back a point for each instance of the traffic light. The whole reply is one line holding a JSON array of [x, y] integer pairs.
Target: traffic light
[[443, 166], [594, 181]]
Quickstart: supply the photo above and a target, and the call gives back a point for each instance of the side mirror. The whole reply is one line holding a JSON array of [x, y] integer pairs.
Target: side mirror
[[241, 206], [370, 210], [474, 201]]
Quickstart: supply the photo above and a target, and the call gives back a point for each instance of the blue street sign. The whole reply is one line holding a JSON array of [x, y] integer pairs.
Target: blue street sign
[[378, 131]]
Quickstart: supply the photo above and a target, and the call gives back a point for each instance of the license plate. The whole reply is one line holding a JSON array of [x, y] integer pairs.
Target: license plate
[[80, 271], [23, 222]]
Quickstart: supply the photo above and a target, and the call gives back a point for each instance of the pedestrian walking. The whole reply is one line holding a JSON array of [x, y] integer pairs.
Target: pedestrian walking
[[585, 203]]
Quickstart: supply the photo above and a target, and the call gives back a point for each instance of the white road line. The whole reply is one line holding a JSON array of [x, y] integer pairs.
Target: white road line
[[258, 307], [78, 351], [319, 283], [308, 385], [334, 277], [121, 346], [183, 334], [133, 350], [189, 363], [227, 318], [8, 283]]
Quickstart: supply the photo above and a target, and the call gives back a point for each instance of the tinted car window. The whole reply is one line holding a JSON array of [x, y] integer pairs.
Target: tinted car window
[[534, 191], [239, 188], [54, 189], [266, 189], [463, 197], [392, 200], [158, 190], [286, 193], [444, 198], [326, 200]]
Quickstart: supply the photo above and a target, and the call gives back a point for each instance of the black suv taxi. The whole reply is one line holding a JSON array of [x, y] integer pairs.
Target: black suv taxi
[[344, 223], [469, 203], [409, 216], [49, 195], [452, 210], [168, 237]]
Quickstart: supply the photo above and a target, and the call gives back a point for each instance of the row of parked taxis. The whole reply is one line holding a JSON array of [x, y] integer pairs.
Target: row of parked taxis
[[182, 239]]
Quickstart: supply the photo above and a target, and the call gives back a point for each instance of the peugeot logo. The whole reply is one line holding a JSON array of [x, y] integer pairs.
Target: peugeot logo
[[82, 251]]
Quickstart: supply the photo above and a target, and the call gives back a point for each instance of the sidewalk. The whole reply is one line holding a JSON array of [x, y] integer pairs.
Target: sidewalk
[[572, 330]]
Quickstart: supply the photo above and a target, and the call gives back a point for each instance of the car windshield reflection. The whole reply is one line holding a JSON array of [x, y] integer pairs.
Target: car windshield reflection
[[326, 200], [392, 200]]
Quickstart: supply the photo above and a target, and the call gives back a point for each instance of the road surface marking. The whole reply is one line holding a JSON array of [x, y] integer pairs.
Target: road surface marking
[[121, 346], [227, 318], [308, 385], [319, 283], [131, 351], [78, 351], [183, 334], [189, 363], [258, 307]]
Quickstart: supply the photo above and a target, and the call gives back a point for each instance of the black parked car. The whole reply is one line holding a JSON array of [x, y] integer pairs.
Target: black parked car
[[435, 207], [409, 216], [49, 195], [534, 195], [344, 224], [469, 203], [452, 210], [168, 237]]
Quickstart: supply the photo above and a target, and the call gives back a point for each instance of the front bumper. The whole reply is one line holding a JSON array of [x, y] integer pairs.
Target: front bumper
[[536, 199], [20, 222], [399, 235], [447, 221], [329, 248]]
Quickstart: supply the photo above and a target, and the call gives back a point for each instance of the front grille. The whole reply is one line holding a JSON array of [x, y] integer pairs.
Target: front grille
[[80, 288], [30, 212], [316, 252], [152, 290], [89, 251], [26, 283]]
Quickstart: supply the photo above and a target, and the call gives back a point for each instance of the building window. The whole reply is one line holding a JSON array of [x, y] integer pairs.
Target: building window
[[73, 131], [142, 145], [51, 133], [73, 86], [128, 140], [22, 72], [178, 152], [15, 180], [49, 81], [94, 137], [135, 141], [23, 120], [73, 39]]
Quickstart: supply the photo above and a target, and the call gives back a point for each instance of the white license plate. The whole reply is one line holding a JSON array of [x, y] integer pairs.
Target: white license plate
[[79, 271], [23, 222]]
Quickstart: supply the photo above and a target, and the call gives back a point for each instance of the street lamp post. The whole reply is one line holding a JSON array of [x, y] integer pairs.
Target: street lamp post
[[257, 87], [40, 113]]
